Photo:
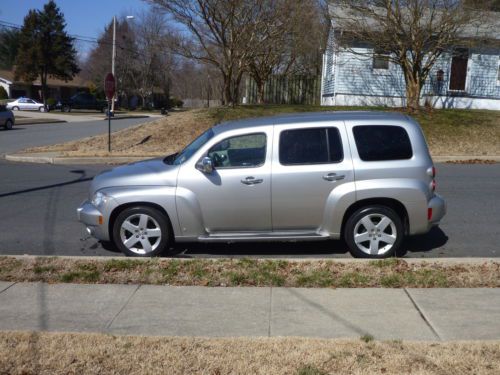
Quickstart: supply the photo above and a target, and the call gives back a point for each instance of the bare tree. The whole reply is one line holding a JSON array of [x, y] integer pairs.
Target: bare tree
[[410, 33], [219, 32]]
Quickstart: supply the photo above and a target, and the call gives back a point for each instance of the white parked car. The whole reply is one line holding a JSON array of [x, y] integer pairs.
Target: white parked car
[[26, 104]]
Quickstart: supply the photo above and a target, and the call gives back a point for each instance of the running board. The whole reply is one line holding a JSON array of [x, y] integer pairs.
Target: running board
[[276, 236]]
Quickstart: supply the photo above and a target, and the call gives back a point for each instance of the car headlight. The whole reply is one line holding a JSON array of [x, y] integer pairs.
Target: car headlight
[[99, 199]]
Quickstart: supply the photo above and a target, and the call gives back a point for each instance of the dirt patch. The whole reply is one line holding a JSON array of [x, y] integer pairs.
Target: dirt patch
[[69, 353], [157, 138], [390, 273]]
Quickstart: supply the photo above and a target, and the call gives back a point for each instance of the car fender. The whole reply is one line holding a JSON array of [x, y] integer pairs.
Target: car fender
[[163, 196], [337, 203]]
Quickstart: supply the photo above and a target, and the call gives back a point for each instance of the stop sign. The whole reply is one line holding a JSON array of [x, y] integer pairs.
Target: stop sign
[[109, 86]]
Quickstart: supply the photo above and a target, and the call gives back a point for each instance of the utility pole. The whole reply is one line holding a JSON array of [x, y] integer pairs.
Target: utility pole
[[113, 62]]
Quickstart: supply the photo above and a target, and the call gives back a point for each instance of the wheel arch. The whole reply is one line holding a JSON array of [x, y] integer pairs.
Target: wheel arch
[[117, 210], [392, 203]]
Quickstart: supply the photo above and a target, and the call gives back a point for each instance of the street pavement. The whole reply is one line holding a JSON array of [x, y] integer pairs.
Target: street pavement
[[23, 136], [386, 314], [38, 204]]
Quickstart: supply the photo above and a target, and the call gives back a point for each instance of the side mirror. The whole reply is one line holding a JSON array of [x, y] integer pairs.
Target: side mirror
[[205, 165]]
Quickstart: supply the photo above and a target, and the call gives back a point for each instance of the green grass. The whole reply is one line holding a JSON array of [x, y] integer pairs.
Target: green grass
[[367, 338], [310, 370]]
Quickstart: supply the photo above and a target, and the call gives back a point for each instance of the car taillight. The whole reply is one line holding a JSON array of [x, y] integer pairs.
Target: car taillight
[[433, 185], [433, 171], [429, 213]]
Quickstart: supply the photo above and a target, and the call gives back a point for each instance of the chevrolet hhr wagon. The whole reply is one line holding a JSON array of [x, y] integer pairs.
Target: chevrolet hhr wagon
[[364, 177]]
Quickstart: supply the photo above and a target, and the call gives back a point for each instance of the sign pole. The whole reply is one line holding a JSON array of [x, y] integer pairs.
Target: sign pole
[[109, 126], [109, 89]]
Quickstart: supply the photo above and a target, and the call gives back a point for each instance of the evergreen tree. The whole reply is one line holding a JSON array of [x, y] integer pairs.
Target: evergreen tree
[[9, 44], [45, 48]]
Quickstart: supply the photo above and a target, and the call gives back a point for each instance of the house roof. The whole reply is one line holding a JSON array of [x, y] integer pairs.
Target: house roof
[[8, 75], [486, 26]]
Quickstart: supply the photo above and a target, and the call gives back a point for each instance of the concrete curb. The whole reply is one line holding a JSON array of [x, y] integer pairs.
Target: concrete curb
[[444, 261], [62, 160], [54, 158], [20, 122], [446, 158]]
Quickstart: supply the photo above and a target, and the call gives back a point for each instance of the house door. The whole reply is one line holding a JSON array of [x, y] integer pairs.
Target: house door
[[458, 74]]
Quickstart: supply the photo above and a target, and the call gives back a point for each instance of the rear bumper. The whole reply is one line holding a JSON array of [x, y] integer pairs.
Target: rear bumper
[[94, 220], [438, 206]]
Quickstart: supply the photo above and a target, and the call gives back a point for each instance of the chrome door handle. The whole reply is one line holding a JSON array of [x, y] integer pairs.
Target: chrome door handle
[[252, 181], [333, 177]]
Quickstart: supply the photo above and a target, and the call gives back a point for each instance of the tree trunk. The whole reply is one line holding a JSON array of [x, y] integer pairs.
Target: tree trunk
[[44, 88], [228, 95], [413, 89], [260, 91]]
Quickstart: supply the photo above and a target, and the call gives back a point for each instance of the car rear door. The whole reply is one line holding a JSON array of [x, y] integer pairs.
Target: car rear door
[[310, 163]]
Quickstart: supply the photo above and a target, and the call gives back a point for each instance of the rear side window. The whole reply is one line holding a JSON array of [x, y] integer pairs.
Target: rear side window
[[382, 142], [310, 146]]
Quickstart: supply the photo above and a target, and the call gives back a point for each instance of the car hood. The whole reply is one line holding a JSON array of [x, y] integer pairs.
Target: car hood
[[152, 172]]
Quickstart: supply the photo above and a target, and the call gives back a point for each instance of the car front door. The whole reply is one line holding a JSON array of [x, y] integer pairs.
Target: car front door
[[310, 163], [236, 196], [31, 105]]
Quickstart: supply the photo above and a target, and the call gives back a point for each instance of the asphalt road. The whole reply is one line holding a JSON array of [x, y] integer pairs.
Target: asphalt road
[[38, 204], [23, 136]]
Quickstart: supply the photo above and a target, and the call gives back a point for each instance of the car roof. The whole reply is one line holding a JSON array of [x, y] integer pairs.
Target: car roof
[[308, 117]]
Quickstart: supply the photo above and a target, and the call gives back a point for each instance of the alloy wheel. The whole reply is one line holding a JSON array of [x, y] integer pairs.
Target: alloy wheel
[[375, 234], [140, 233]]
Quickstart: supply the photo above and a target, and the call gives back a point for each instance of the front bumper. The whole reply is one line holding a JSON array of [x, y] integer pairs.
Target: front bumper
[[94, 220], [438, 206]]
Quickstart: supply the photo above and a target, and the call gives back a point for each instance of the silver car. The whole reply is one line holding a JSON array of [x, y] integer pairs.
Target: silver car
[[7, 118], [366, 177]]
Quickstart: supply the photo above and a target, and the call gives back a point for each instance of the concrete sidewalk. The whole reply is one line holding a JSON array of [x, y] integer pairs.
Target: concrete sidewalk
[[406, 314]]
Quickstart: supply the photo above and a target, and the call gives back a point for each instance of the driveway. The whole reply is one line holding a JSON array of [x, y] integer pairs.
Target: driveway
[[38, 204], [24, 136]]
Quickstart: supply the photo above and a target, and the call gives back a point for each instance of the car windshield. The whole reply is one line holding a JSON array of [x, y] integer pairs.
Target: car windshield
[[194, 146]]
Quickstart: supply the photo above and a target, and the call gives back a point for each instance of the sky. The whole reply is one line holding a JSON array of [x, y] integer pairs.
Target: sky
[[83, 17]]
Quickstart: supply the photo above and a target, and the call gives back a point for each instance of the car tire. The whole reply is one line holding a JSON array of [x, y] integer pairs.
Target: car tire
[[374, 232], [141, 231], [41, 109], [8, 124], [16, 108], [66, 108]]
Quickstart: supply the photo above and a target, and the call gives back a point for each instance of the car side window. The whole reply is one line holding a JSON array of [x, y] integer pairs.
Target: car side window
[[310, 146], [30, 101], [247, 150], [382, 142]]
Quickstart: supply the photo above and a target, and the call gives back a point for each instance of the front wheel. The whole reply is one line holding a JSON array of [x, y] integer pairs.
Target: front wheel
[[141, 232], [8, 124], [374, 232], [15, 108], [66, 108]]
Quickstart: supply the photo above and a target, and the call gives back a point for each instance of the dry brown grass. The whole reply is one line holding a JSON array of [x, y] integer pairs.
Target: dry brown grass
[[448, 132], [390, 273], [69, 353], [157, 138]]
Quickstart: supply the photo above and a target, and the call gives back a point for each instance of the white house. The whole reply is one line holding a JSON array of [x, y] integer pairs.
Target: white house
[[461, 78]]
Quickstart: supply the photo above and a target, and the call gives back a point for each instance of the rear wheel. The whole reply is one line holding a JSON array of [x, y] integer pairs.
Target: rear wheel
[[374, 232], [141, 232], [8, 124], [15, 108], [66, 108]]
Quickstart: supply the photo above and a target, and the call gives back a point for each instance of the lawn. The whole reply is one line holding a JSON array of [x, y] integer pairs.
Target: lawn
[[44, 353], [448, 132], [389, 273]]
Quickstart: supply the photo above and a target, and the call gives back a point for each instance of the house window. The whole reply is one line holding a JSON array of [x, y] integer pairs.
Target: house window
[[380, 60]]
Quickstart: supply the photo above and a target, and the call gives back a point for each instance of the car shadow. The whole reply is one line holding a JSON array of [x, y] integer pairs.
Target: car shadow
[[423, 243], [315, 249]]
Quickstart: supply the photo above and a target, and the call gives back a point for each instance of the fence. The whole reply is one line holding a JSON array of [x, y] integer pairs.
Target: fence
[[287, 90]]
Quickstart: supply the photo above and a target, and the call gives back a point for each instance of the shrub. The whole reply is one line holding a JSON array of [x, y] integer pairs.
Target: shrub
[[3, 93]]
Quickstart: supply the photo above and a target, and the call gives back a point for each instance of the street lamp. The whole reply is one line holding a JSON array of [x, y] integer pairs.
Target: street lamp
[[114, 56]]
